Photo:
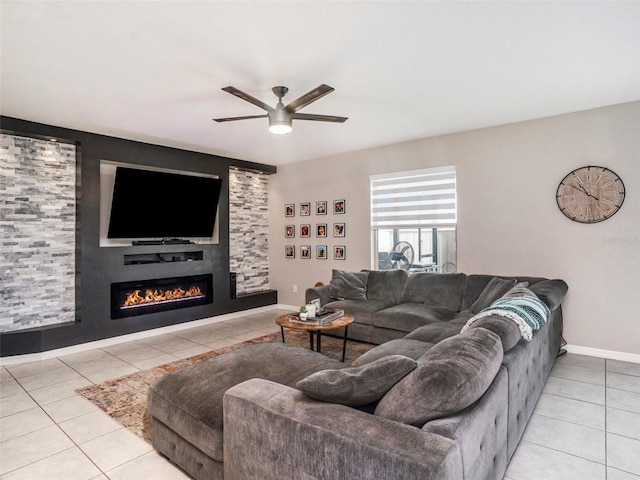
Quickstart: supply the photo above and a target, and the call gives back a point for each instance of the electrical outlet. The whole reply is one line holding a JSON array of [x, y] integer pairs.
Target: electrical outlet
[[295, 289]]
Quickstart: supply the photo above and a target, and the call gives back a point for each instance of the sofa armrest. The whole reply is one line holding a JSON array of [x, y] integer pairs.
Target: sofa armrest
[[272, 431], [321, 293]]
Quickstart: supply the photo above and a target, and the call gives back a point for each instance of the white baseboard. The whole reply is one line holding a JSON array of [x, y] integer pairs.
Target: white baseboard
[[597, 352], [83, 347]]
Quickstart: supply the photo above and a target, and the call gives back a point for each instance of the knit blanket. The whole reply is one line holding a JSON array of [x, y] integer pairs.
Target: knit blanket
[[528, 312]]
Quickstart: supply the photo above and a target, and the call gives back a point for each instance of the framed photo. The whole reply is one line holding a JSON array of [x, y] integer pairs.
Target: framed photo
[[338, 206], [321, 229], [339, 252], [289, 231], [289, 210], [305, 230], [338, 230], [305, 209], [321, 208], [305, 251], [321, 252], [289, 251]]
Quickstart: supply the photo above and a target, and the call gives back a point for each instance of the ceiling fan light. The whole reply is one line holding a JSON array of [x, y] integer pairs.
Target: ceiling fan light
[[280, 128], [280, 120]]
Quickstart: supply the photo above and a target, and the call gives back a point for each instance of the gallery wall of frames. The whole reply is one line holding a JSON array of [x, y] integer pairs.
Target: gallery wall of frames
[[319, 222]]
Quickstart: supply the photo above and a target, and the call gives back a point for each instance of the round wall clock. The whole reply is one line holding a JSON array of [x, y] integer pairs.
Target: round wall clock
[[590, 194]]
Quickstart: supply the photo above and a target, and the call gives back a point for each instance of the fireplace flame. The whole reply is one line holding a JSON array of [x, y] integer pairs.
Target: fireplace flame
[[149, 296]]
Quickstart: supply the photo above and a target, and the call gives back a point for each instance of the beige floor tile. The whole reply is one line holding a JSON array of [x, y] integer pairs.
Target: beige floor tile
[[10, 387], [570, 410], [534, 462], [123, 347], [626, 368], [149, 465], [94, 355], [142, 353], [614, 474], [24, 422], [30, 448], [102, 375], [191, 352], [623, 400], [51, 377], [114, 449], [19, 402], [623, 453], [89, 426], [175, 345], [628, 383], [579, 373], [571, 438], [155, 361], [221, 343], [622, 422], [69, 464], [69, 408], [109, 362], [32, 368], [56, 392]]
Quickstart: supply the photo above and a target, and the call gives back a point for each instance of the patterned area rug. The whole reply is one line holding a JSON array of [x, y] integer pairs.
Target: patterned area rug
[[125, 398]]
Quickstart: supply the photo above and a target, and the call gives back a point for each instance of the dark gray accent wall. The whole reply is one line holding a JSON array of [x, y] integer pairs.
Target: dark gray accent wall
[[99, 266]]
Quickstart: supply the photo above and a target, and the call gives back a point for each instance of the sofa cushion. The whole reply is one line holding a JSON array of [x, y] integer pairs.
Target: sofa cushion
[[406, 317], [362, 310], [505, 328], [495, 289], [551, 292], [435, 332], [399, 346], [386, 286], [189, 401], [435, 289], [348, 285], [357, 386], [450, 376]]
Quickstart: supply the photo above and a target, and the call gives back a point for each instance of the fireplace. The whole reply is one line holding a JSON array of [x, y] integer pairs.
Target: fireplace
[[157, 295]]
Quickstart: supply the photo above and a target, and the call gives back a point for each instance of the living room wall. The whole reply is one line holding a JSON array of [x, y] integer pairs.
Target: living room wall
[[508, 220], [99, 267]]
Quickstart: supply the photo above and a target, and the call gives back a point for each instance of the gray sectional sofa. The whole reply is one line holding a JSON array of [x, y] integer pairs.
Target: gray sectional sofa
[[390, 304], [447, 395]]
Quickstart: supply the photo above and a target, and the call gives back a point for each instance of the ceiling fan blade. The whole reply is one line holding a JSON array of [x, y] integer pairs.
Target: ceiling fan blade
[[248, 98], [309, 97], [319, 118], [233, 119]]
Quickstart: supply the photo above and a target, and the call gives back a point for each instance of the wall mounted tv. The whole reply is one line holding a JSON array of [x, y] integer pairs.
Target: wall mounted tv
[[149, 204]]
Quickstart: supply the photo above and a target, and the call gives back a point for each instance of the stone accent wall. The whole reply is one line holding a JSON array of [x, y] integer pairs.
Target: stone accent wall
[[38, 232], [249, 230]]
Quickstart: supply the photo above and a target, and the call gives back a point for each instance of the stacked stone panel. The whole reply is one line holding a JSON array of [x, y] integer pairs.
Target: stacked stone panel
[[38, 229], [249, 230]]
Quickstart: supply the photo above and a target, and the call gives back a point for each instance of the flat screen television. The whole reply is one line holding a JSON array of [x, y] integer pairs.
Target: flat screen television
[[150, 204]]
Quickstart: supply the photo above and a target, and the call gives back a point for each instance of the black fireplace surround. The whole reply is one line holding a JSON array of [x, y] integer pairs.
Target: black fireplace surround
[[99, 267]]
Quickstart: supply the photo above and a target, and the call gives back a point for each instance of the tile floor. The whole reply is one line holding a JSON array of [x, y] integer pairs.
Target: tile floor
[[585, 426]]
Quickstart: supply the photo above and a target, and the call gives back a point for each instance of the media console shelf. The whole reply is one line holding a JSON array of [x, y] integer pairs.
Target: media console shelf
[[162, 257]]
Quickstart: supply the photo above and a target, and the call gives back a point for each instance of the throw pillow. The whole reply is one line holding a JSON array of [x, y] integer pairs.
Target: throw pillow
[[496, 288], [357, 386], [348, 285], [451, 376]]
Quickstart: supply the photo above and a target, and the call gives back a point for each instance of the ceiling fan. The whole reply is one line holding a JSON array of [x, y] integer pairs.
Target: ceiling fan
[[281, 117]]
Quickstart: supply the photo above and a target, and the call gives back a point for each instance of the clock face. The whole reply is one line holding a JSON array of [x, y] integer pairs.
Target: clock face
[[590, 194]]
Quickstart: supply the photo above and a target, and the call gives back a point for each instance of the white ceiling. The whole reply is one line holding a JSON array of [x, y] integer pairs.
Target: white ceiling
[[153, 71]]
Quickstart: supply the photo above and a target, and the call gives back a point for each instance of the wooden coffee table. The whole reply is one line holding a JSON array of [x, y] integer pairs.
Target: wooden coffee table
[[344, 321]]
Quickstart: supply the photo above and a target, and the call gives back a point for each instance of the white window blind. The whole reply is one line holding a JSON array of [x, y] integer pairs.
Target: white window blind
[[419, 198]]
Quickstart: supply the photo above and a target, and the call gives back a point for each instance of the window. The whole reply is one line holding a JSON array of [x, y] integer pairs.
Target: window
[[413, 220]]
